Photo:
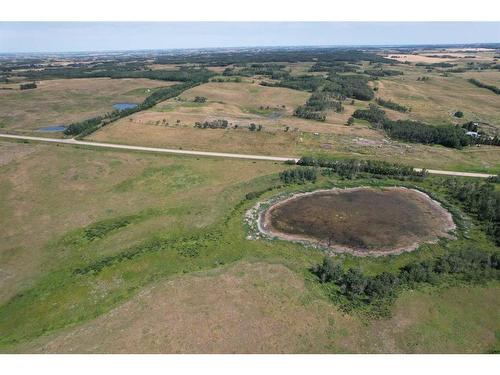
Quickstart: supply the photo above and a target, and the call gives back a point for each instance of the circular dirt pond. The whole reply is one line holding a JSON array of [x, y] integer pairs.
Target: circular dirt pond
[[361, 221]]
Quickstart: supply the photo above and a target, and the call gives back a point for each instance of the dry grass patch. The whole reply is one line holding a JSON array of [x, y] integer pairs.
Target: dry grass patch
[[267, 308], [435, 101], [171, 123], [248, 95], [246, 308]]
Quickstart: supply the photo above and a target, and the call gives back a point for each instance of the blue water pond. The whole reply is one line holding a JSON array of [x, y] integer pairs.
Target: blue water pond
[[53, 128], [123, 106]]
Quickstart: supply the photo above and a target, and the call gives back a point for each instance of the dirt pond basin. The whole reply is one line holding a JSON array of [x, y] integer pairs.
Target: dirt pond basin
[[361, 221]]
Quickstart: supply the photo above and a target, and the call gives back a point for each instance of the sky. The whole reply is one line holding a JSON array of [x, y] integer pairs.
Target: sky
[[116, 36]]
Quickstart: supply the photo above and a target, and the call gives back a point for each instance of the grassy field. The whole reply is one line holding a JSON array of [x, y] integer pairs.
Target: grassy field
[[171, 123], [62, 101], [436, 100], [132, 252], [257, 307], [113, 251], [49, 191]]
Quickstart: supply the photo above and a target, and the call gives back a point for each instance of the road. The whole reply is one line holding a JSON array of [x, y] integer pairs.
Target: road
[[203, 153]]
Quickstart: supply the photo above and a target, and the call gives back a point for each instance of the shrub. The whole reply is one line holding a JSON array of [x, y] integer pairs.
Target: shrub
[[27, 86]]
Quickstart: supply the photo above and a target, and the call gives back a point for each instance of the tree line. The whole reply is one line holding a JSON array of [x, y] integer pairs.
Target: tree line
[[414, 131], [492, 88], [436, 65], [223, 58], [117, 71], [392, 105], [349, 168], [383, 72]]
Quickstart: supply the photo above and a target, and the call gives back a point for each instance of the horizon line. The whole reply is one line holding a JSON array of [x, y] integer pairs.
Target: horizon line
[[251, 47]]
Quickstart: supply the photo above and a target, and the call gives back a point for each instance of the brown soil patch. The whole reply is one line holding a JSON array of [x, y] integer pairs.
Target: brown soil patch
[[361, 221]]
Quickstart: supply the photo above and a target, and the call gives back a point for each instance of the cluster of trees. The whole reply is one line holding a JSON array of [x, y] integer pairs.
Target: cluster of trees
[[392, 105], [215, 124], [298, 175], [423, 79], [334, 67], [352, 85], [303, 82], [200, 99], [88, 126], [317, 104], [492, 88], [472, 65], [253, 127], [322, 101], [349, 168], [309, 114], [419, 132], [27, 86], [479, 199], [415, 131], [234, 79], [468, 265], [274, 71], [383, 72], [373, 114], [471, 126], [84, 127]]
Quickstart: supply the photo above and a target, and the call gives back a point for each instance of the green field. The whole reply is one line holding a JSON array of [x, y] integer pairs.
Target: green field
[[123, 222]]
